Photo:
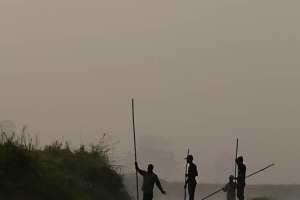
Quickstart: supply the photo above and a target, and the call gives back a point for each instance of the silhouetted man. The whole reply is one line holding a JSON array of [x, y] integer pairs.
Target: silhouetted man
[[191, 177], [149, 179], [230, 188], [240, 178]]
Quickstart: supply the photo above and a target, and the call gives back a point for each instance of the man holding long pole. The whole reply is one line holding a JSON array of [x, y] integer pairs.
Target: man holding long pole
[[191, 177], [245, 177], [150, 178], [241, 178], [230, 188]]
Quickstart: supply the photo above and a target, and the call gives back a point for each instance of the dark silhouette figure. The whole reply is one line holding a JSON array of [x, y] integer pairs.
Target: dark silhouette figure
[[191, 177], [230, 188], [241, 183], [149, 179]]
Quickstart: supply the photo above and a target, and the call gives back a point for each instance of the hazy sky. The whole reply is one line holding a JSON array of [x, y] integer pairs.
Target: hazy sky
[[202, 74]]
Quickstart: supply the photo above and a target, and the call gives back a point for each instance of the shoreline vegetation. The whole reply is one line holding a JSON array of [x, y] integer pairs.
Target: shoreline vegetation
[[56, 171]]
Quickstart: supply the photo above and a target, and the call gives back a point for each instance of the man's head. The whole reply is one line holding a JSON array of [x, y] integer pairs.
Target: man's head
[[189, 159], [231, 177], [240, 159], [150, 168]]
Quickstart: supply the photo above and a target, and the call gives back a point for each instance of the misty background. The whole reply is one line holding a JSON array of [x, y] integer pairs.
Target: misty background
[[202, 74]]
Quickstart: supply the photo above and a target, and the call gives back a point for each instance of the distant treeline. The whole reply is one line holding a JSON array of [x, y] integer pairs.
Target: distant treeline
[[175, 191], [57, 172]]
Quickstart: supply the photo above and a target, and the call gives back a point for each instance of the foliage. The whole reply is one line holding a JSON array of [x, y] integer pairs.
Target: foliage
[[57, 172], [263, 198]]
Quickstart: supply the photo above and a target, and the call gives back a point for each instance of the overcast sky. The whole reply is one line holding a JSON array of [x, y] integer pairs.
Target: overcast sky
[[202, 73]]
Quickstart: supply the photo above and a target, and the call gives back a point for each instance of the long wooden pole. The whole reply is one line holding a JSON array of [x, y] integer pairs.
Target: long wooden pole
[[212, 194], [188, 153], [236, 153], [135, 157], [260, 170]]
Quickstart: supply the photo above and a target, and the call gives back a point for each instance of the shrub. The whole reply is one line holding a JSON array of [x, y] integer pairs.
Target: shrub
[[57, 172]]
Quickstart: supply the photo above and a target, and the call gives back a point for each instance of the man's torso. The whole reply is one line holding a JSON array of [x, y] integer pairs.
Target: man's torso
[[149, 181], [192, 173]]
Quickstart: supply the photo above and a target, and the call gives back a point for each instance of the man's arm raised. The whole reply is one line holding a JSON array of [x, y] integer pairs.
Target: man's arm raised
[[141, 172]]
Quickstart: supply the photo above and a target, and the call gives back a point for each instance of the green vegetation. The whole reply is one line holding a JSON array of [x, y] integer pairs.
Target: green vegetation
[[57, 172], [263, 198]]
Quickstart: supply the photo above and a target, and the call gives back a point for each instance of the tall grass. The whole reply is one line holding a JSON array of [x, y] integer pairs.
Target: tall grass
[[56, 171]]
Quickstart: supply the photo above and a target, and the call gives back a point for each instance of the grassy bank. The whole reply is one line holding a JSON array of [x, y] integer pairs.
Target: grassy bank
[[56, 171]]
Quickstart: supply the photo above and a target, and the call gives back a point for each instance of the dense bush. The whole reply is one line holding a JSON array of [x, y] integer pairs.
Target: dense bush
[[57, 172]]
